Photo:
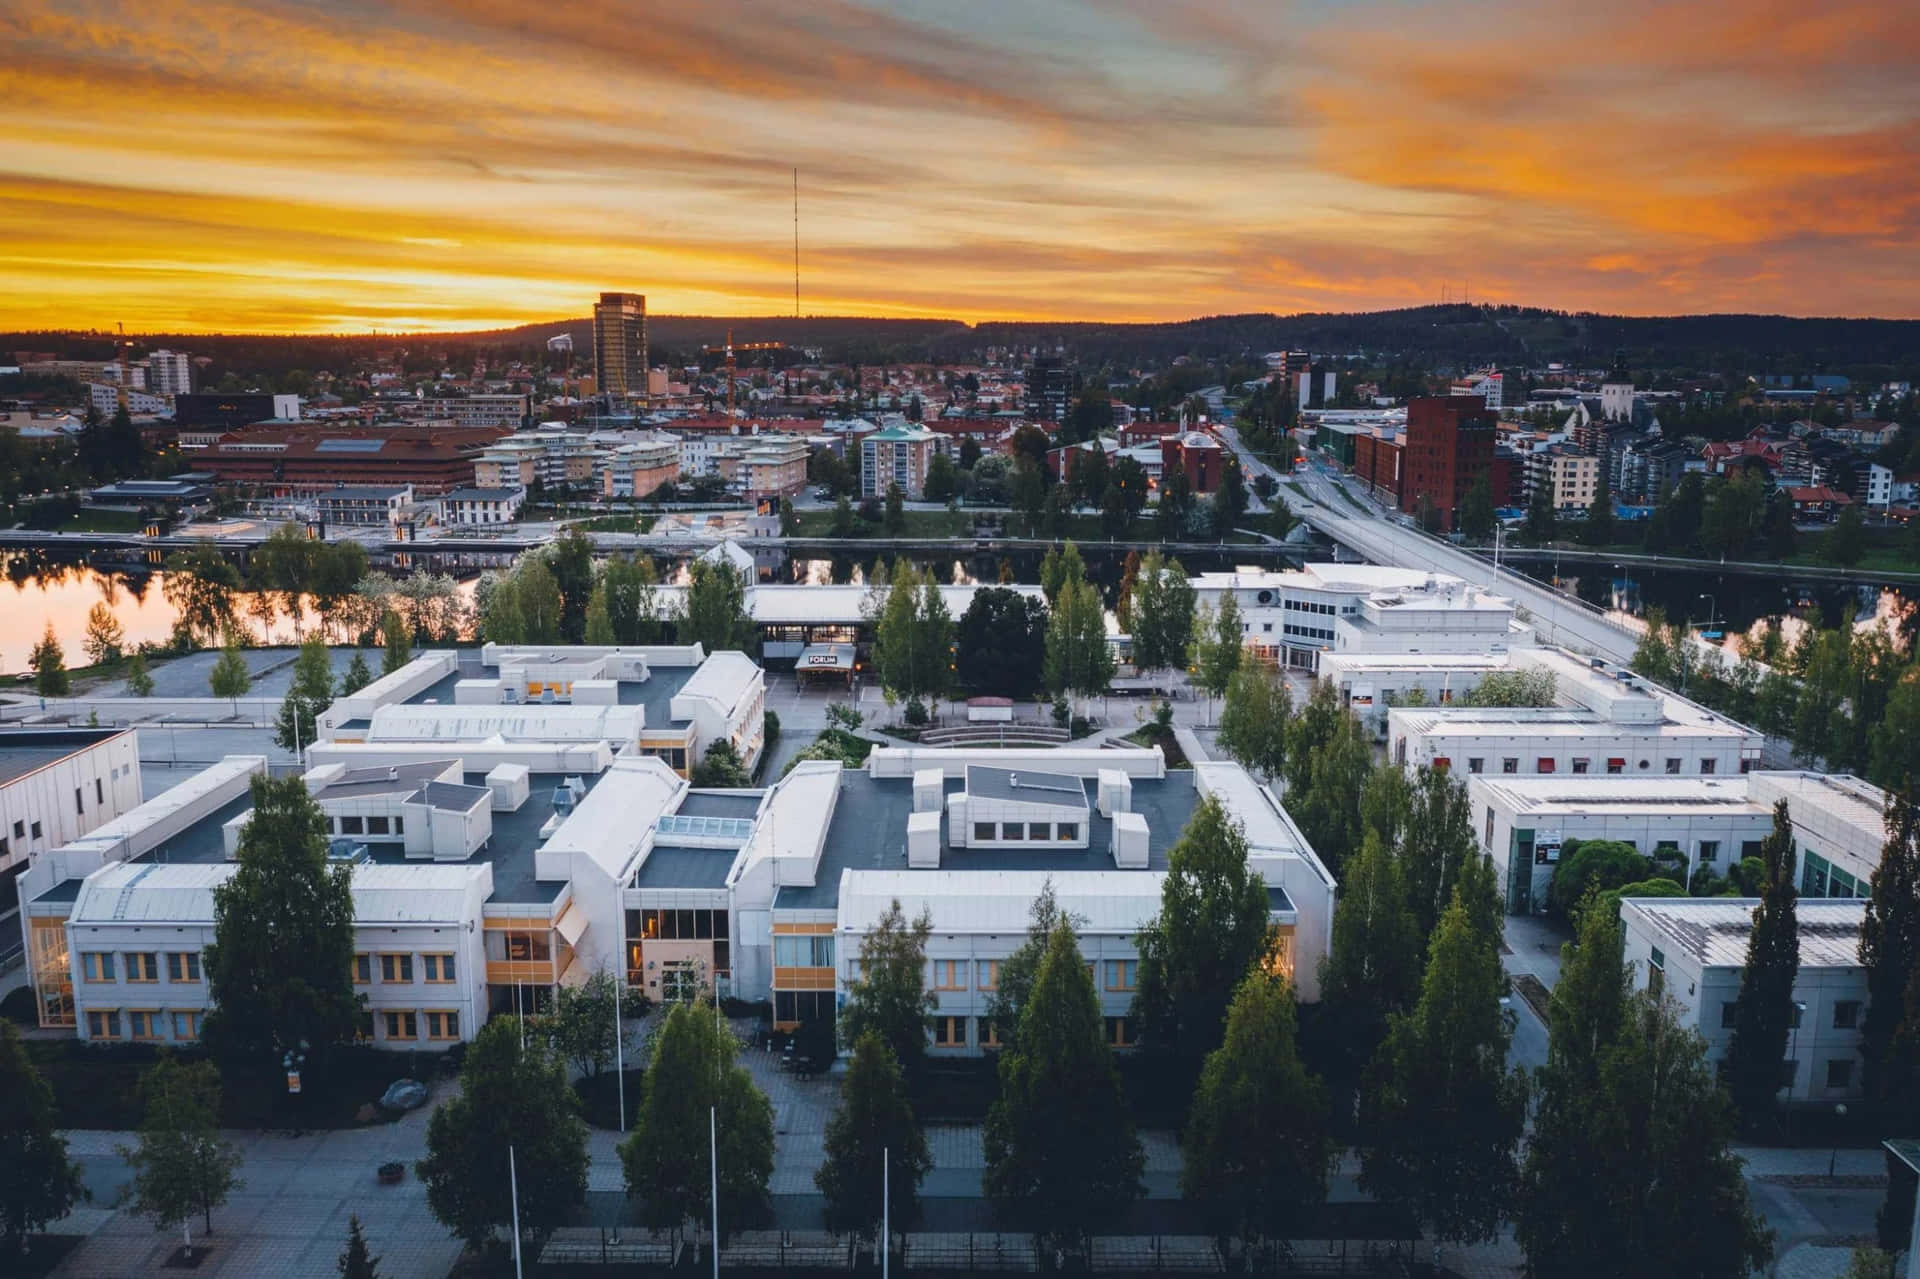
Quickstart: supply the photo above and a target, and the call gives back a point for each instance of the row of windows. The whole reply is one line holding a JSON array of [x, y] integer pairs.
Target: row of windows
[[1577, 765], [1026, 832], [139, 965], [1307, 632], [353, 825], [1821, 878], [141, 1025], [398, 967], [1308, 606], [440, 1024], [953, 974], [1846, 1014], [676, 925], [951, 1032]]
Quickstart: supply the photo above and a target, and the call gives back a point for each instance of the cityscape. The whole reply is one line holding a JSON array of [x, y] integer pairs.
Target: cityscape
[[621, 673]]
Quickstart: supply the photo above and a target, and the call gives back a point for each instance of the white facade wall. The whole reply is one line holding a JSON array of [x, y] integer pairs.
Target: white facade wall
[[1686, 751], [59, 802]]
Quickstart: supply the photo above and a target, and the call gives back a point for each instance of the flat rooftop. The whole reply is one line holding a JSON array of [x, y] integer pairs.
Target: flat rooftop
[[1607, 793], [1555, 721], [654, 693], [24, 751], [1714, 930], [869, 832]]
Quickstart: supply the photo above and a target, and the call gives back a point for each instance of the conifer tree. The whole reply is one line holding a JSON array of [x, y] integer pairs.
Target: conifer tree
[[1764, 1013]]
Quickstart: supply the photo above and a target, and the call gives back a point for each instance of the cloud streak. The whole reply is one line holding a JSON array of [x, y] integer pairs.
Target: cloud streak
[[284, 165]]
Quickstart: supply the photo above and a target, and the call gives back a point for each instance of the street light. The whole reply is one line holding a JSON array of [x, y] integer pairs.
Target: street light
[[1839, 1114], [1713, 607]]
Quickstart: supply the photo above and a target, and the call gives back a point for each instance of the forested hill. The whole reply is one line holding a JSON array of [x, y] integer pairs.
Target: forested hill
[[1433, 337]]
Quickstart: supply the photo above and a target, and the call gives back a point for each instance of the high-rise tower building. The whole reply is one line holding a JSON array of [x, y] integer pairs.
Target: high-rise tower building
[[620, 346]]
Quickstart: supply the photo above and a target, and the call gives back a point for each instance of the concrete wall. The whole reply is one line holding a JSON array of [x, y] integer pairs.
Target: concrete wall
[[106, 777]]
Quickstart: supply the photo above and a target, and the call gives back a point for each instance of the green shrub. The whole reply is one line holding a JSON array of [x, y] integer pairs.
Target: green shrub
[[1595, 865]]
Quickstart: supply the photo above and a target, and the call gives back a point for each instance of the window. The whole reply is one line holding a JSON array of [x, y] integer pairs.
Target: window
[[1066, 832], [1706, 766], [1709, 851], [1122, 973], [1475, 763], [1846, 1014], [99, 791], [807, 951], [949, 974], [1510, 765], [988, 1031], [376, 825], [396, 968], [36, 830], [363, 969], [982, 831], [79, 801], [443, 1025], [103, 1023], [353, 826], [183, 965], [143, 1024], [1616, 766], [186, 1025], [1012, 830], [1729, 1014], [1840, 1072], [1544, 764], [1673, 766], [19, 830], [949, 1032], [1039, 830], [1119, 1032], [1749, 848], [400, 1025], [143, 965], [989, 974], [439, 967], [97, 965]]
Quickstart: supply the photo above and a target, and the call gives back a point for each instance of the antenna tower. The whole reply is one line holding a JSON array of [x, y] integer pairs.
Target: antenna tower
[[796, 242]]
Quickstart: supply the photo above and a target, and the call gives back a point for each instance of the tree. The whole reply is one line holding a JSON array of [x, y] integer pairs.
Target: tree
[[181, 1167], [537, 597], [1328, 758], [569, 558], [714, 609], [513, 1098], [586, 1026], [1848, 540], [692, 1076], [873, 1136], [200, 584], [1256, 1148], [1599, 529], [1176, 502], [1512, 688], [1230, 499], [1629, 1170], [1592, 866], [49, 663], [721, 767], [1542, 515], [1000, 642], [1162, 614], [913, 638], [1476, 518], [890, 998], [1372, 969], [310, 693], [357, 1262], [104, 637], [280, 968], [630, 586], [230, 677], [1437, 845], [1017, 971], [942, 482], [896, 517], [843, 525], [1211, 931], [1440, 1113], [38, 1183], [358, 676], [139, 679], [1062, 1158], [1253, 721], [1060, 565], [1221, 647], [1078, 659], [1128, 479], [398, 637], [1088, 474], [1890, 952], [1764, 1013]]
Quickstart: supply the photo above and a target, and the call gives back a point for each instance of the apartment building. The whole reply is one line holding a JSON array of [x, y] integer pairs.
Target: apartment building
[[510, 464], [481, 507], [897, 456], [169, 373], [1573, 477], [637, 470], [509, 411], [1449, 444], [363, 505], [1694, 949], [775, 467], [620, 347]]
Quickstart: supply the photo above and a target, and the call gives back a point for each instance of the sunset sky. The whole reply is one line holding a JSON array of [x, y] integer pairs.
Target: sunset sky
[[447, 164]]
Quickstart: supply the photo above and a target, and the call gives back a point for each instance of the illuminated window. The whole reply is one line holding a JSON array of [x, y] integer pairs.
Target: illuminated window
[[1067, 832]]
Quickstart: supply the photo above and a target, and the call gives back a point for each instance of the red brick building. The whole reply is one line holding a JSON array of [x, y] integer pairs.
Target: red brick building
[[1449, 446], [287, 461], [1196, 453], [1378, 461]]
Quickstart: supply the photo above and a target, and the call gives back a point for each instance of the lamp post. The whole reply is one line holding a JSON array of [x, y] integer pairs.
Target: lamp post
[[1713, 607], [1839, 1114]]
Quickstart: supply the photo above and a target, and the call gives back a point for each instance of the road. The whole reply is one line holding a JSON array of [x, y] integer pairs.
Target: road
[[1336, 510]]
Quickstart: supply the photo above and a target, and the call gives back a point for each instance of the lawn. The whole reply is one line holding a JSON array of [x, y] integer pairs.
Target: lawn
[[615, 524], [1151, 734], [90, 520], [918, 524]]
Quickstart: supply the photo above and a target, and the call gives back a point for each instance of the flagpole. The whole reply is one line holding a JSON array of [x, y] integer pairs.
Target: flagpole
[[886, 1209], [513, 1181], [713, 1163]]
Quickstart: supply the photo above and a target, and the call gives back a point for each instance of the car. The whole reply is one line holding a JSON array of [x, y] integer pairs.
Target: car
[[403, 1095]]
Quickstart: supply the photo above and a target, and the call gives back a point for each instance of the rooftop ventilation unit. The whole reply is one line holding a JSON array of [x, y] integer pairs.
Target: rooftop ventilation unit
[[346, 852]]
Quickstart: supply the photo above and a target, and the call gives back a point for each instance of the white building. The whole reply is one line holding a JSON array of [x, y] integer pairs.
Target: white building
[[170, 373], [363, 505], [511, 411], [494, 859], [106, 400], [1612, 723], [1694, 949], [477, 507], [1294, 617], [57, 785]]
